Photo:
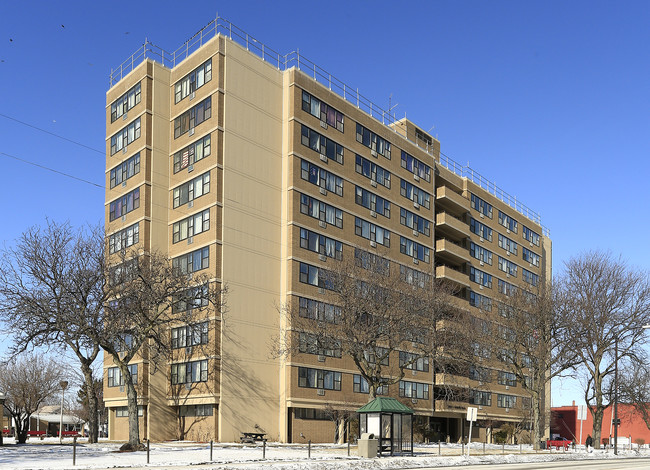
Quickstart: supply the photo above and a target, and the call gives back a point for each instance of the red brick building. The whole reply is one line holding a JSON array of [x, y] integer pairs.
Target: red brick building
[[564, 421]]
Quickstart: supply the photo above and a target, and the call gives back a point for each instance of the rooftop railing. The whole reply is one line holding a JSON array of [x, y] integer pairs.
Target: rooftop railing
[[294, 59]]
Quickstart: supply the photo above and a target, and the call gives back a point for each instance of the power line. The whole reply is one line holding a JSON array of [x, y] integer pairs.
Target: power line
[[52, 170], [52, 133]]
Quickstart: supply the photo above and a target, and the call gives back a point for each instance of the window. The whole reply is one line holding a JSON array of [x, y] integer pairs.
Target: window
[[373, 141], [414, 277], [123, 342], [414, 221], [322, 111], [360, 385], [321, 144], [482, 206], [310, 413], [314, 276], [412, 361], [414, 193], [413, 390], [191, 190], [480, 253], [190, 372], [480, 374], [507, 334], [480, 301], [192, 153], [478, 397], [123, 272], [480, 277], [531, 257], [192, 225], [321, 211], [373, 202], [123, 411], [530, 277], [125, 170], [413, 249], [531, 236], [193, 117], [125, 102], [509, 245], [508, 266], [480, 229], [316, 310], [193, 80], [506, 401], [317, 378], [506, 288], [319, 177], [190, 335], [507, 378], [371, 232], [415, 166], [194, 297], [377, 352], [508, 222], [124, 204], [193, 261], [480, 350], [124, 238], [372, 262], [526, 360], [196, 410], [320, 244], [372, 171], [115, 378], [126, 136], [311, 344]]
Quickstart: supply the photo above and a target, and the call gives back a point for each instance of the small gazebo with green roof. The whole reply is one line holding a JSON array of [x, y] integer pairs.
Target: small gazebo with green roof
[[390, 421]]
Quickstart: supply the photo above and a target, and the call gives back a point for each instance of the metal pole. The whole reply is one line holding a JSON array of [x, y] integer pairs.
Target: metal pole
[[484, 448], [616, 396], [264, 450], [439, 447], [348, 447], [63, 385], [148, 448], [211, 446], [74, 451], [309, 449], [503, 448]]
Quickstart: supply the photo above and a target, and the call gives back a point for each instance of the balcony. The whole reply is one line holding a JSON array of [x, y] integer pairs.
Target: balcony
[[451, 200], [451, 251], [450, 225], [450, 274]]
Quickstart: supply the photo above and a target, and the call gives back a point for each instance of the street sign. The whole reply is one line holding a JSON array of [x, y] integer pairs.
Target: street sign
[[582, 412], [472, 413]]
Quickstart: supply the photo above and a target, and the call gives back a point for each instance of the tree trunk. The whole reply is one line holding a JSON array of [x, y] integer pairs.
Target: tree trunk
[[91, 396], [598, 423], [537, 426], [132, 406], [21, 428]]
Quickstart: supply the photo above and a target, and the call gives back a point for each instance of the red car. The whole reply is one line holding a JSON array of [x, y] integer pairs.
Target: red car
[[557, 443]]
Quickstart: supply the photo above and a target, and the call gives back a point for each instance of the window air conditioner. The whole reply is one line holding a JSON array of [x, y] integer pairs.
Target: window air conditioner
[[373, 214], [416, 177], [323, 158], [481, 239], [416, 205], [416, 261], [190, 204], [322, 224], [507, 387], [121, 388], [190, 240], [480, 407], [414, 400], [323, 124], [507, 230], [373, 153], [321, 358], [321, 392], [190, 168], [188, 386], [123, 218], [124, 149], [416, 233], [124, 116], [188, 350], [414, 372], [192, 95], [373, 244], [321, 290], [322, 257], [507, 410], [191, 131], [373, 183], [123, 184], [323, 191]]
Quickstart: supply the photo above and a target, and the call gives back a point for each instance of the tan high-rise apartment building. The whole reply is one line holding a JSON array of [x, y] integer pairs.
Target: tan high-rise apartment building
[[261, 169]]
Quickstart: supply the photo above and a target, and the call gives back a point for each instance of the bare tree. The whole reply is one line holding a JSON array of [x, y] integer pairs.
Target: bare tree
[[28, 381], [379, 309], [51, 294], [634, 386], [147, 296], [607, 303], [532, 346]]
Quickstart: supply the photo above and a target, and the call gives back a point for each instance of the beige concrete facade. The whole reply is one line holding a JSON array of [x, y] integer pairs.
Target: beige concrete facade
[[256, 171]]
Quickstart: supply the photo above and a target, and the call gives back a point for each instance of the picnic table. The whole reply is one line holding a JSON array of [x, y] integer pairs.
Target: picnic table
[[40, 434], [252, 437], [68, 434]]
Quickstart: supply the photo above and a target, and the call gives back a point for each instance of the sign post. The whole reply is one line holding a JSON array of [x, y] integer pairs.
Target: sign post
[[472, 413], [582, 416]]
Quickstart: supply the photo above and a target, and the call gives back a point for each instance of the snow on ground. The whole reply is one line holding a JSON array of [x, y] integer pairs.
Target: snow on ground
[[48, 454]]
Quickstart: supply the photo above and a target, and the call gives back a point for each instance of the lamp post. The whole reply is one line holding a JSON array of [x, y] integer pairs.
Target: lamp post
[[64, 385], [3, 397], [616, 420]]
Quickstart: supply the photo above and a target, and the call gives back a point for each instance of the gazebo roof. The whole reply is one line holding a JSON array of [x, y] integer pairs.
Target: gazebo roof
[[385, 405]]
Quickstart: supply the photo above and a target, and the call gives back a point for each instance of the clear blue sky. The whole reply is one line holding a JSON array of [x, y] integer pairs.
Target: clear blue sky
[[549, 99]]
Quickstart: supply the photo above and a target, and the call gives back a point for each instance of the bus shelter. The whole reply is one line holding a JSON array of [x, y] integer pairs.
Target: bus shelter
[[391, 422]]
